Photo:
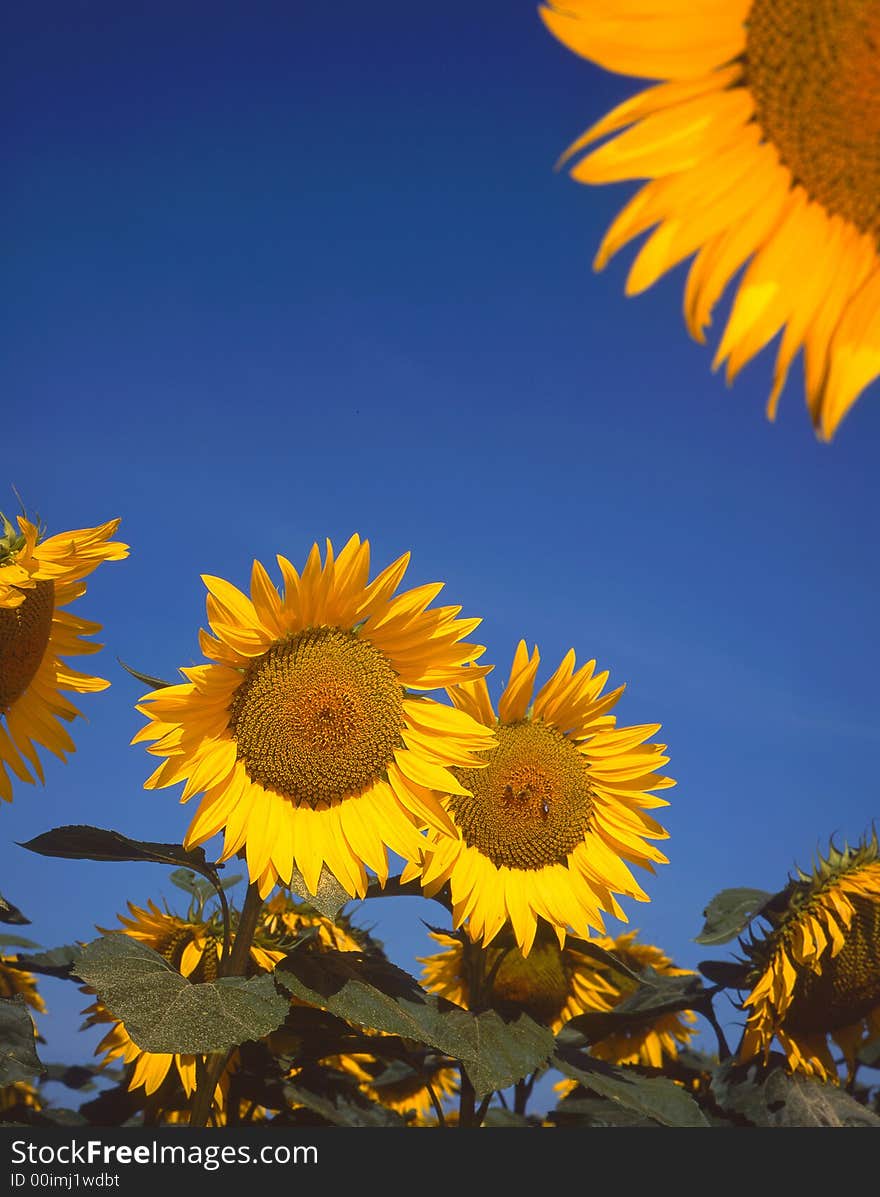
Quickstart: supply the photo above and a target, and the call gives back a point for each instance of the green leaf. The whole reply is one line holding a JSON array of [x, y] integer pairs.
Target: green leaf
[[730, 912], [16, 941], [73, 1076], [354, 1110], [79, 842], [785, 1099], [164, 1012], [729, 974], [18, 1054], [374, 993], [330, 898], [869, 1055], [602, 956], [190, 883], [57, 962], [11, 914], [653, 1097], [655, 996], [597, 1111], [155, 683]]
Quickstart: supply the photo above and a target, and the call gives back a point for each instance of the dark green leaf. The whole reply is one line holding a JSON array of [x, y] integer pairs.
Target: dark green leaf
[[329, 899], [785, 1099], [354, 1110], [653, 1097], [597, 1111], [869, 1055], [79, 842], [498, 1116], [18, 1054], [375, 993], [10, 913], [601, 956], [73, 1076], [729, 974], [729, 912], [164, 1012], [57, 962], [16, 941], [155, 683]]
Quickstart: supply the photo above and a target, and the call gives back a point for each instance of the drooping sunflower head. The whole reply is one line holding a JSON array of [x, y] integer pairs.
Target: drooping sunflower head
[[38, 579], [552, 984], [762, 139], [815, 974], [557, 811], [308, 733]]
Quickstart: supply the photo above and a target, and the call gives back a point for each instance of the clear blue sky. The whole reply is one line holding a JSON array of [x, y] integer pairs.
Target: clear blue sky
[[282, 271]]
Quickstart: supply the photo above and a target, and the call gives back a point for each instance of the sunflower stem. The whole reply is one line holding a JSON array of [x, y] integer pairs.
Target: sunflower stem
[[233, 964], [708, 1012], [467, 1101]]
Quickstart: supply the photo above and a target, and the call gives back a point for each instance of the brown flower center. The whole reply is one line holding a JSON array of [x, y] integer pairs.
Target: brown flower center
[[531, 805], [813, 67], [318, 716], [848, 986], [24, 636]]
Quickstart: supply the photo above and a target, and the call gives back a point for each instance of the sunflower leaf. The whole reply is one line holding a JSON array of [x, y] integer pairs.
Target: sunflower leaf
[[330, 898], [155, 683], [57, 962], [653, 1097], [11, 914], [18, 1054], [786, 1099], [729, 974], [341, 1111], [374, 993], [164, 1012], [730, 912], [16, 941], [597, 1111]]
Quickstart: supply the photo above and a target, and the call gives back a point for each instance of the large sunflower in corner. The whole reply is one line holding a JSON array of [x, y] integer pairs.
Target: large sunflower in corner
[[306, 734], [762, 149], [38, 579], [548, 827]]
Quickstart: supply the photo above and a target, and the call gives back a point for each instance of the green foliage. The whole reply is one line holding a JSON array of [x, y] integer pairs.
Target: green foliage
[[18, 1053], [730, 912], [655, 1098], [778, 1098], [656, 995], [56, 962], [374, 993], [10, 913], [164, 1012]]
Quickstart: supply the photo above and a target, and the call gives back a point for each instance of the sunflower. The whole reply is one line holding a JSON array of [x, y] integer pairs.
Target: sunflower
[[398, 1087], [552, 984], [761, 147], [816, 972], [304, 734], [548, 826], [194, 947], [653, 1043], [18, 1096], [38, 578], [17, 982]]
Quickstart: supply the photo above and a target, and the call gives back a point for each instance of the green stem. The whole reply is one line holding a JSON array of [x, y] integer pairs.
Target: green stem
[[234, 964], [467, 1101]]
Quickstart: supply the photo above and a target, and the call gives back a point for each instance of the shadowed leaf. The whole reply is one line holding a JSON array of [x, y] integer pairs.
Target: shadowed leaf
[[11, 914], [653, 1097], [18, 1054], [655, 996], [16, 941], [155, 683], [57, 962], [785, 1099], [344, 1111]]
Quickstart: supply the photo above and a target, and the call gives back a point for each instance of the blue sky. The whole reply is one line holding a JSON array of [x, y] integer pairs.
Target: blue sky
[[278, 272]]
